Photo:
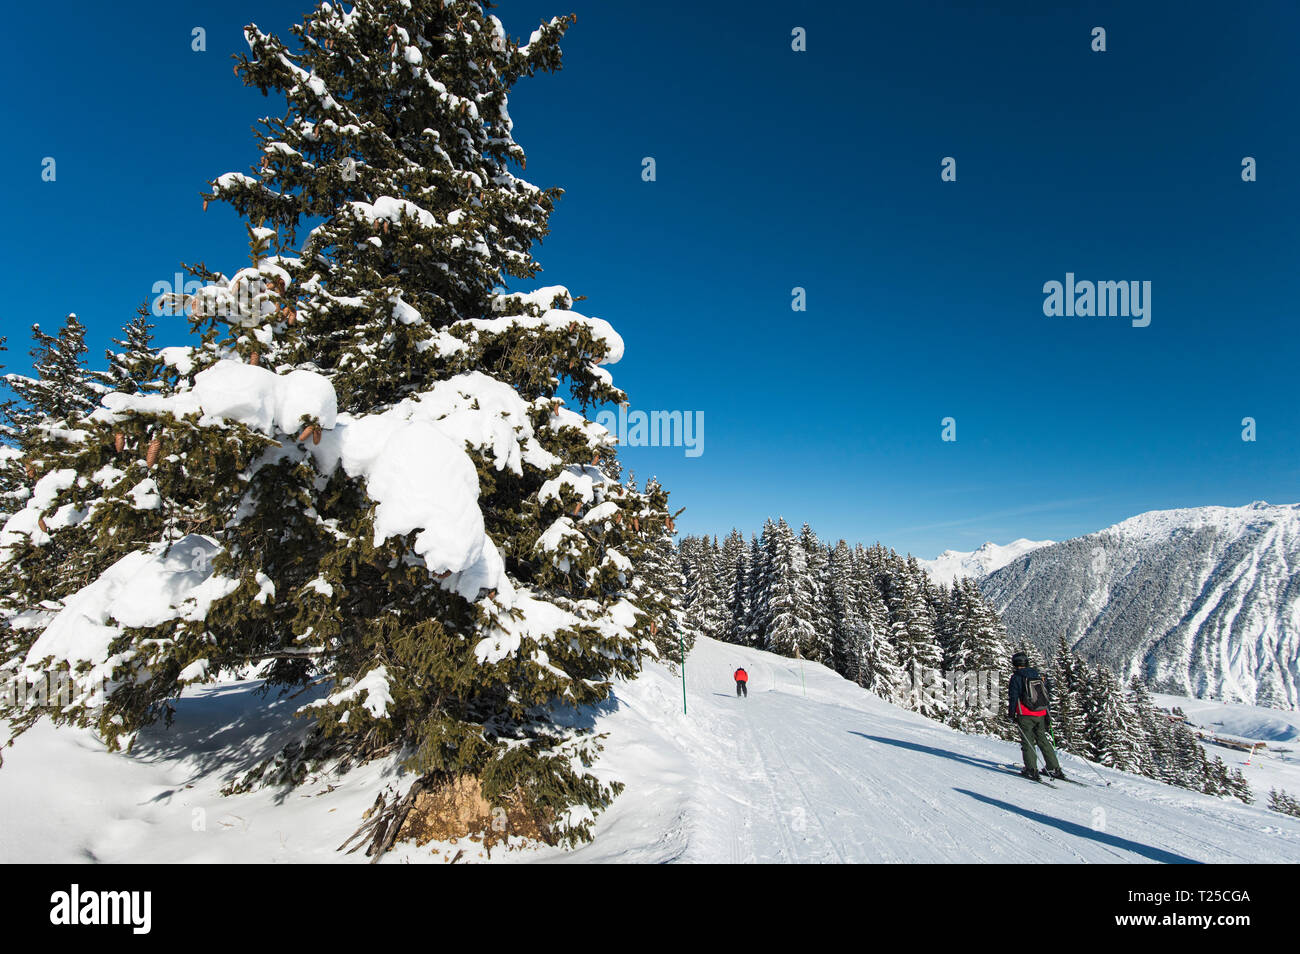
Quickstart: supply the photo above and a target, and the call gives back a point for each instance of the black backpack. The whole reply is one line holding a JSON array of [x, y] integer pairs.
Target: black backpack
[[1033, 693]]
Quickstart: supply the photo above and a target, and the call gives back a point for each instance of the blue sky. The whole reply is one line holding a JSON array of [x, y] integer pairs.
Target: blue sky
[[819, 169]]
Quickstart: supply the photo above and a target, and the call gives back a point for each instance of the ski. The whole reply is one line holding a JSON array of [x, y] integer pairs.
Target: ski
[[1070, 779], [1015, 770]]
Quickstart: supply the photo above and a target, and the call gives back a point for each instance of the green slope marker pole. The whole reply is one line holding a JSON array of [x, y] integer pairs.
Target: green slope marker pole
[[681, 646]]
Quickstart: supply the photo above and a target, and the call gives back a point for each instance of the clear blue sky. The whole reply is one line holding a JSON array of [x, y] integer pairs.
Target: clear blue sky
[[816, 169]]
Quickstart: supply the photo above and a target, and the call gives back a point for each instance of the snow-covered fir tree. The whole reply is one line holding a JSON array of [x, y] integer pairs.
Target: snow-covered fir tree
[[818, 559], [62, 390], [364, 479], [913, 636], [704, 611], [133, 363], [788, 597], [978, 657], [733, 586], [1280, 801], [1113, 730], [659, 586], [13, 481], [756, 581]]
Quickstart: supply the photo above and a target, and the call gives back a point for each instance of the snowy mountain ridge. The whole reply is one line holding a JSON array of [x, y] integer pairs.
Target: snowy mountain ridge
[[952, 565], [1201, 601]]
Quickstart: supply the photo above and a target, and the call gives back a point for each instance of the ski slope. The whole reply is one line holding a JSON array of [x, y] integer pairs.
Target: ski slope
[[809, 768]]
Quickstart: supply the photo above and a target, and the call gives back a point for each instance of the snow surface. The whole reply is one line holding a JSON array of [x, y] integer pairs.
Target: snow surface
[[952, 565], [808, 768]]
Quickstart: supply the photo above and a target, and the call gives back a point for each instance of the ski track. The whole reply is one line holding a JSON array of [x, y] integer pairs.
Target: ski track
[[808, 768]]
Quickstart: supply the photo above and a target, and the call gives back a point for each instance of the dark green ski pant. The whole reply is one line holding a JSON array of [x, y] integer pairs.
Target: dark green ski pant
[[1033, 732]]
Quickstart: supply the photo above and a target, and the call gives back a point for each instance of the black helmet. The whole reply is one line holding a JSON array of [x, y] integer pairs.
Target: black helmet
[[1019, 661]]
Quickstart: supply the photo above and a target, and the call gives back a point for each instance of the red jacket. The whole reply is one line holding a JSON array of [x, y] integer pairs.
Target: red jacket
[[742, 676]]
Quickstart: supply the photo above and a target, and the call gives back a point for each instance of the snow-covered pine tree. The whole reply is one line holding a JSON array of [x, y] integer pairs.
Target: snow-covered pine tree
[[733, 582], [62, 390], [365, 478], [704, 613], [1070, 677], [133, 365], [979, 656], [1280, 801], [659, 586], [43, 421], [912, 633], [1191, 766], [882, 673], [848, 635], [1113, 730], [757, 582], [1239, 788], [947, 621], [13, 483], [817, 556], [789, 603], [1156, 733]]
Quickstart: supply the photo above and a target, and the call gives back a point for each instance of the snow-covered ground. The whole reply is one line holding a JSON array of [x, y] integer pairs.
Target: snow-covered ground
[[808, 768]]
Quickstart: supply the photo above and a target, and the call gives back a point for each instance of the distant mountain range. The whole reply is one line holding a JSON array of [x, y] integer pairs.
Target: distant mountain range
[[952, 565], [1202, 602]]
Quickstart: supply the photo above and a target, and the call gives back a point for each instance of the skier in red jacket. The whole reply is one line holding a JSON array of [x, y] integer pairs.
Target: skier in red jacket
[[742, 681]]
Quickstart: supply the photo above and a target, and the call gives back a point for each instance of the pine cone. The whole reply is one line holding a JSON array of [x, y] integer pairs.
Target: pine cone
[[654, 628], [254, 360], [151, 454], [205, 205], [306, 433], [315, 434], [40, 522], [119, 441]]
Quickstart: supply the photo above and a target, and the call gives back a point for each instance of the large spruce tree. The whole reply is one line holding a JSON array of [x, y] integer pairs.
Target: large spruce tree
[[364, 478]]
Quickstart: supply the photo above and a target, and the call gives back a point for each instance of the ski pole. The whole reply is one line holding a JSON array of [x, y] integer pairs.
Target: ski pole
[[1085, 761], [681, 646]]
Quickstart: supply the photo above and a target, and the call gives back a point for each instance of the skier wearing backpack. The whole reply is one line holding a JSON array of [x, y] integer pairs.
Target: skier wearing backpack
[[742, 683], [1029, 703]]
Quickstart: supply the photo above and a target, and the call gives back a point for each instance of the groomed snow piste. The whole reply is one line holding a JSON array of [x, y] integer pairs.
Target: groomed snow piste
[[808, 768]]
